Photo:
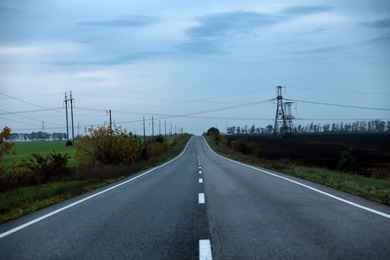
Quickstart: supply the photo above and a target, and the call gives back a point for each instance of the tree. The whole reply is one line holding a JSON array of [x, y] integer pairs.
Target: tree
[[270, 129], [213, 131], [6, 148], [252, 130]]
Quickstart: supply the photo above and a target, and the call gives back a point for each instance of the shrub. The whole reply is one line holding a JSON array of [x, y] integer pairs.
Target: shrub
[[246, 147], [381, 173], [347, 161], [243, 146], [38, 170], [109, 147], [155, 147]]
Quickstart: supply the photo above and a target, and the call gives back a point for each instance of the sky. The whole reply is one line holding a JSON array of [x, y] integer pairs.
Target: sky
[[191, 65]]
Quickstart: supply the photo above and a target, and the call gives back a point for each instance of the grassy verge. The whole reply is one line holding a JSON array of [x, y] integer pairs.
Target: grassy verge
[[19, 202], [375, 190]]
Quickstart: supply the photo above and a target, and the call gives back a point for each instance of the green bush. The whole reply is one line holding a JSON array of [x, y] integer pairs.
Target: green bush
[[107, 147], [38, 169], [246, 147], [155, 147], [347, 161]]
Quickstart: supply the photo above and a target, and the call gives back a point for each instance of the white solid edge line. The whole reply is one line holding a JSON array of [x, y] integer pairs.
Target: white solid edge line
[[205, 250], [89, 197], [304, 185], [201, 199]]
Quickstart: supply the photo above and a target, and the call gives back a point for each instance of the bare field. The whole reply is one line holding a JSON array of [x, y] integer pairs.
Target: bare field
[[323, 150]]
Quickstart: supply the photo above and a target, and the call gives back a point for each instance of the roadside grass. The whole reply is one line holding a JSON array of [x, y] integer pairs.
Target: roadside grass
[[22, 201], [375, 190], [19, 202]]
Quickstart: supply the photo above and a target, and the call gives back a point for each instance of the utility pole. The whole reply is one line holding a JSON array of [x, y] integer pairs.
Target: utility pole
[[109, 113], [144, 130], [43, 130], [159, 127], [152, 127], [66, 110], [71, 112], [165, 127]]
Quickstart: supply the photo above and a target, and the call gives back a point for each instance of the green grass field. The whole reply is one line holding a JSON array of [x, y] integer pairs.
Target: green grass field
[[43, 148]]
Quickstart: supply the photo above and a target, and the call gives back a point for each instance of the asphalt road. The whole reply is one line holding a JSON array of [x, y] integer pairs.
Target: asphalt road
[[248, 213]]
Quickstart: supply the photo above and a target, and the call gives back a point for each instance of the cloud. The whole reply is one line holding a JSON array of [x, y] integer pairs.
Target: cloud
[[209, 35], [307, 10], [130, 22], [380, 24], [385, 40], [212, 30], [323, 50], [201, 46], [220, 24], [117, 60]]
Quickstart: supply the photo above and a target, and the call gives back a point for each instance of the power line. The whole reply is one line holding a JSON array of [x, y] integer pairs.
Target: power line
[[30, 118], [18, 121], [339, 105], [31, 111], [344, 91], [31, 104]]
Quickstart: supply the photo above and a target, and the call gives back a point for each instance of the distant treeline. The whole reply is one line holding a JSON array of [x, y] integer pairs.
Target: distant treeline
[[37, 136], [364, 126]]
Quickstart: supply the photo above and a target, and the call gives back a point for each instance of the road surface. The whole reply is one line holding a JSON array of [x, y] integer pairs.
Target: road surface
[[199, 206]]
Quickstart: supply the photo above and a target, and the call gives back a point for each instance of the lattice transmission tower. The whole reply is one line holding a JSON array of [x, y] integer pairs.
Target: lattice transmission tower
[[288, 116], [283, 118]]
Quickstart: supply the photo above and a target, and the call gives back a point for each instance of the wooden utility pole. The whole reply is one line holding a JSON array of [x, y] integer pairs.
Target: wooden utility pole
[[144, 130], [66, 110], [71, 112]]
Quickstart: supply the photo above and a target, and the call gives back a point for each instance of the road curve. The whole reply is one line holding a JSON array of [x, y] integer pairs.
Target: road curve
[[198, 200]]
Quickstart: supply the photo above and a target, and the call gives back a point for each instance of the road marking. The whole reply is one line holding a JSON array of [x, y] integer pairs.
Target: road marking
[[200, 167], [205, 249], [304, 185], [200, 180], [200, 172], [9, 232], [201, 199]]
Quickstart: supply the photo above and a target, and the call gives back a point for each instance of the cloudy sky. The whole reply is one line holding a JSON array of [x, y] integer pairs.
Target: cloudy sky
[[192, 64]]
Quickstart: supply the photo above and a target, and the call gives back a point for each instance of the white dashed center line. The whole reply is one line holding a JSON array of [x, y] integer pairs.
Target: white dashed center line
[[201, 198], [205, 249]]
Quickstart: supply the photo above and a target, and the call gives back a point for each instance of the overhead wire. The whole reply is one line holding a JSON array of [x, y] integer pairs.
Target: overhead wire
[[198, 114], [31, 104], [339, 105], [343, 91]]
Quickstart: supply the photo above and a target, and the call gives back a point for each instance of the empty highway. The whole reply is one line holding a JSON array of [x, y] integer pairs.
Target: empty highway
[[199, 206]]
